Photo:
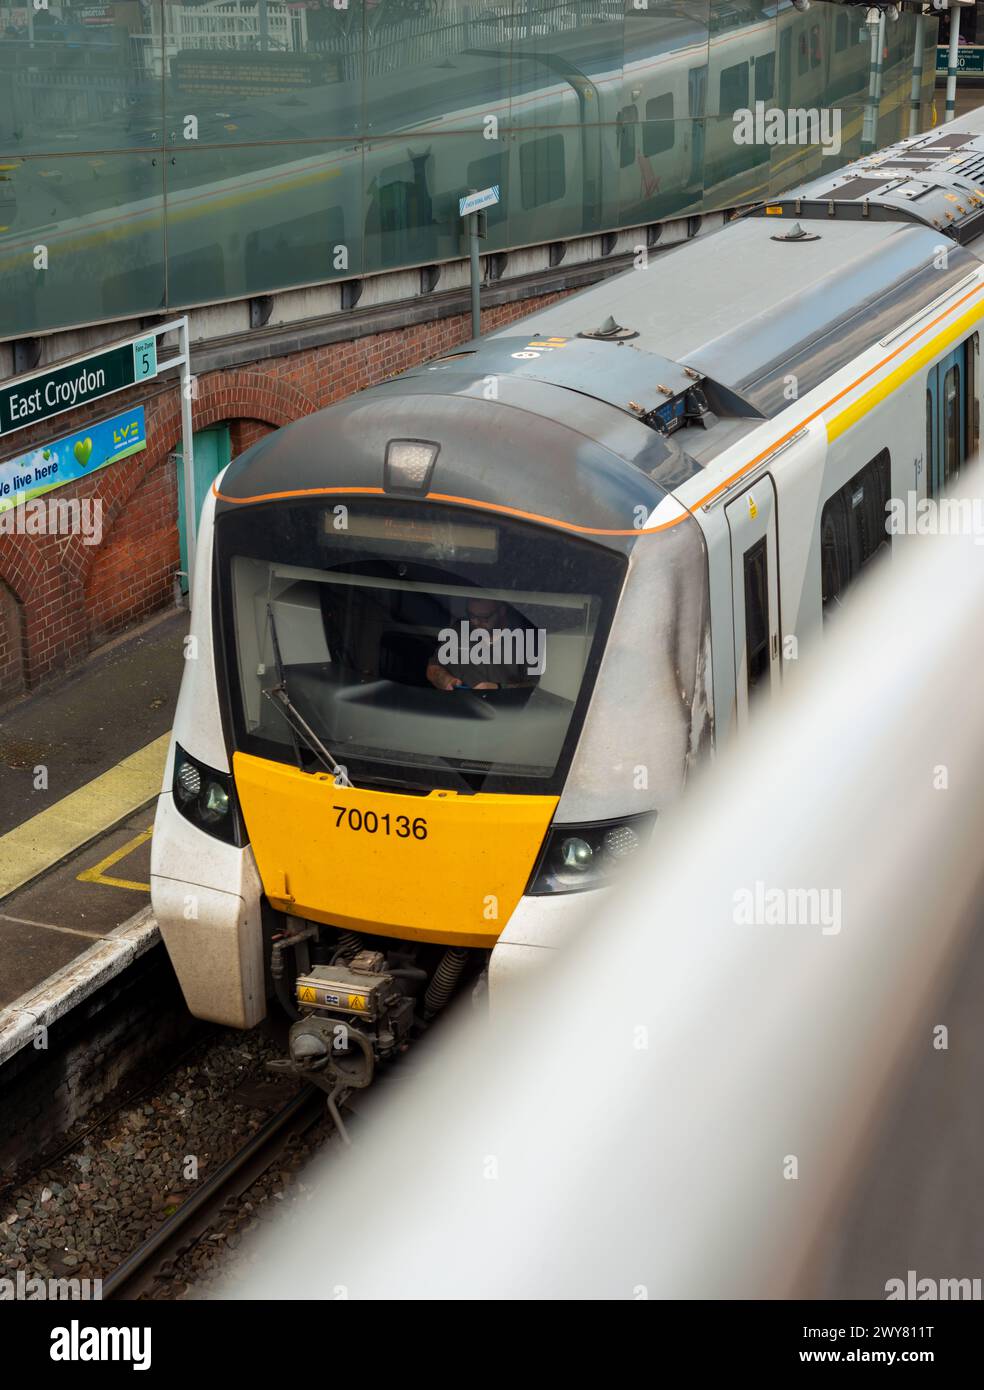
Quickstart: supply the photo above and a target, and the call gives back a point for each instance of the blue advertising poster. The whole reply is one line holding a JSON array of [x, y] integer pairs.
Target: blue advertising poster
[[76, 455]]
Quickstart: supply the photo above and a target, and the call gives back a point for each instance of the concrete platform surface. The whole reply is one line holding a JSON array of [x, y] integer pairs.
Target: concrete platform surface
[[75, 841]]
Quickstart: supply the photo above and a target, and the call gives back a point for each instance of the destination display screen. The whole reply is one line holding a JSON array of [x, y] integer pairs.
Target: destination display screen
[[421, 537]]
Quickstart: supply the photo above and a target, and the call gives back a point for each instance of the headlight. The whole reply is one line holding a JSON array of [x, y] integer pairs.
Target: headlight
[[206, 798], [577, 857]]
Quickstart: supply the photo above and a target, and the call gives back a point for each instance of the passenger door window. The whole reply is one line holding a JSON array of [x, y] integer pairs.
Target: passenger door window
[[951, 415], [755, 591]]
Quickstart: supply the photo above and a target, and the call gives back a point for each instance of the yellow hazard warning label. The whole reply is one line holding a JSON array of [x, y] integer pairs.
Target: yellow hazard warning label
[[307, 995], [753, 510], [357, 1001], [774, 211]]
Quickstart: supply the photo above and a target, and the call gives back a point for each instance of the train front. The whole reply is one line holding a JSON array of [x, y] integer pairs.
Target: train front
[[390, 735]]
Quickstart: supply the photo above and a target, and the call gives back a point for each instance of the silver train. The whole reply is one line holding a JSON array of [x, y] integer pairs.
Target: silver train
[[653, 495]]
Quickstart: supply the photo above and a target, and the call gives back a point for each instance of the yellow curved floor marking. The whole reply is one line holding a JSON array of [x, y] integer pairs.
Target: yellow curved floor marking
[[97, 874], [50, 836]]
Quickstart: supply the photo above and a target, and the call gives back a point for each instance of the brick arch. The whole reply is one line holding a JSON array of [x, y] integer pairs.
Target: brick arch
[[13, 642], [221, 397]]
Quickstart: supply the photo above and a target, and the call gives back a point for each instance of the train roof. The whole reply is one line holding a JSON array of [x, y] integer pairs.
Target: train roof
[[933, 180], [797, 288], [664, 368], [746, 308]]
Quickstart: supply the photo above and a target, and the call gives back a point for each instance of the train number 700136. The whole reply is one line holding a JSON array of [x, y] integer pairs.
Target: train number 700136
[[402, 826]]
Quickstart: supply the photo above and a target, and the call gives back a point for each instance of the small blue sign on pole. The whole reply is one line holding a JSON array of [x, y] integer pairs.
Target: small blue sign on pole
[[475, 202]]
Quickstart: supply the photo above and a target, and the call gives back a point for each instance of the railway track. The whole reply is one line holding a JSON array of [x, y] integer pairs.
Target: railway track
[[141, 1269]]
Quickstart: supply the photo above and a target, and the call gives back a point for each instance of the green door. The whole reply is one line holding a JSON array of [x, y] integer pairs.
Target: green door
[[212, 450]]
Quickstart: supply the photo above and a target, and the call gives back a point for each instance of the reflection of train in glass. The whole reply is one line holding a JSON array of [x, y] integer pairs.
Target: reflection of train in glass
[[630, 476], [598, 127]]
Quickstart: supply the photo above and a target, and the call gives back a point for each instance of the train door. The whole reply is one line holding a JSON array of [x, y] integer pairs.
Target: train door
[[755, 587], [785, 79], [948, 427], [697, 111]]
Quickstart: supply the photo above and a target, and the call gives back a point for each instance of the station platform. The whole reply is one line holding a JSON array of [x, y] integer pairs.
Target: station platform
[[80, 768]]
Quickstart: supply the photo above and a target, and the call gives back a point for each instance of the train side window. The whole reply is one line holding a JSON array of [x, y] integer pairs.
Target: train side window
[[657, 139], [816, 46], [836, 565], [803, 60], [626, 125], [757, 613], [765, 76], [541, 171], [696, 93], [840, 38], [734, 88], [870, 491], [853, 527]]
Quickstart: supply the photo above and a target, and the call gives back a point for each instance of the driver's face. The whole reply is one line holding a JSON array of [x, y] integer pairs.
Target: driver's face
[[485, 613]]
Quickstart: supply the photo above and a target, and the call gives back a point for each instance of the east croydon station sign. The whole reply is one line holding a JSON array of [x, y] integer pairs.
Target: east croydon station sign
[[35, 398]]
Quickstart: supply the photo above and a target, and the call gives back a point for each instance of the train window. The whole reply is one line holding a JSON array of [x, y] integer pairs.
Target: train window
[[972, 353], [870, 491], [852, 527], [757, 613], [366, 627], [734, 88], [835, 551], [302, 243], [658, 138], [816, 46], [765, 76], [803, 60], [951, 424], [840, 39], [626, 124], [541, 171], [696, 93]]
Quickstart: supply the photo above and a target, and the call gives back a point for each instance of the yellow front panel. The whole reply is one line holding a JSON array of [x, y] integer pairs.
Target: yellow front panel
[[443, 867]]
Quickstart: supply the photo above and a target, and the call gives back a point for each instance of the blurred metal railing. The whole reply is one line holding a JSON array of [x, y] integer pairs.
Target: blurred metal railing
[[699, 1097]]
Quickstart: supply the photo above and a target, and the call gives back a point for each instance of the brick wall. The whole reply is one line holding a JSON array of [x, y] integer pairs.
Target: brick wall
[[60, 598]]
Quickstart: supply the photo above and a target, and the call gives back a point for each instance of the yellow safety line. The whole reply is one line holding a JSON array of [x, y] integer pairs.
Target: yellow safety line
[[50, 836], [97, 874]]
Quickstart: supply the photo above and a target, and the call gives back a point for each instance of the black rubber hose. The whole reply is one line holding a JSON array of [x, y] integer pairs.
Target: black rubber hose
[[444, 981], [349, 945]]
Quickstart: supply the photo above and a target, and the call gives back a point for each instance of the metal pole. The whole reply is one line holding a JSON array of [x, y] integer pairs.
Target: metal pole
[[951, 65], [915, 96], [476, 308], [871, 110], [188, 453]]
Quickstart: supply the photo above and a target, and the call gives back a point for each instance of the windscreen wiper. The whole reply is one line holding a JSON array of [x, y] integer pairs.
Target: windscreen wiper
[[280, 699]]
